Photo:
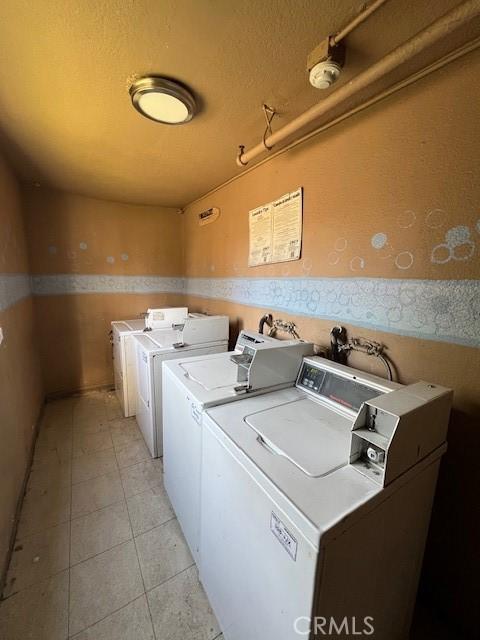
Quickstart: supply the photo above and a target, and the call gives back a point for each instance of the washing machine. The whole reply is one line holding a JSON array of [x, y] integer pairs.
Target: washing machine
[[190, 385], [315, 505], [195, 335], [123, 352]]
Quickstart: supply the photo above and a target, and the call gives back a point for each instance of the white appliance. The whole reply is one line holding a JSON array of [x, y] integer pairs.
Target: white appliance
[[198, 335], [124, 367], [259, 363], [164, 318], [315, 505]]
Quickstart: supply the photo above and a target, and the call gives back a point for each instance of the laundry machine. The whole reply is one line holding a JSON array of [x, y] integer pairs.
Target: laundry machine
[[258, 363], [315, 505], [123, 352], [195, 335]]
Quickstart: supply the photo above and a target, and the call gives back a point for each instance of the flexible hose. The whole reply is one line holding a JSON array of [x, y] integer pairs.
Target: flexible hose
[[341, 348], [387, 367], [266, 319]]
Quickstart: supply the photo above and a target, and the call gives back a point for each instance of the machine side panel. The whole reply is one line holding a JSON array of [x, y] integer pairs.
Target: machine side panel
[[130, 376], [182, 451], [145, 410], [382, 556], [157, 386], [117, 366]]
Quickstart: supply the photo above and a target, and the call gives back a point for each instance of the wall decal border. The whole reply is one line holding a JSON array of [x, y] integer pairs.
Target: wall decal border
[[442, 310], [13, 288], [64, 284]]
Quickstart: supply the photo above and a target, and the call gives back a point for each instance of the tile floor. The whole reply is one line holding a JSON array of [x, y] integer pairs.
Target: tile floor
[[99, 554]]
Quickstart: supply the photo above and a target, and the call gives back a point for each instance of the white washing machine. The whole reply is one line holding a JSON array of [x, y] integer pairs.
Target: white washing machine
[[259, 363], [123, 353], [197, 334], [315, 505]]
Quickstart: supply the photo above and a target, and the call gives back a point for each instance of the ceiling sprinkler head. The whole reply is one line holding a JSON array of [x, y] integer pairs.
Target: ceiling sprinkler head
[[324, 74]]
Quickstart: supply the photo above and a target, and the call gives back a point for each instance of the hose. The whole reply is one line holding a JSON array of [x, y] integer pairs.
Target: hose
[[266, 319], [341, 347], [286, 326], [338, 340], [387, 366]]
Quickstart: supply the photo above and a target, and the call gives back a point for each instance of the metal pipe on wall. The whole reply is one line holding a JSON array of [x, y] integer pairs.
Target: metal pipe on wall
[[343, 33], [454, 55], [438, 30]]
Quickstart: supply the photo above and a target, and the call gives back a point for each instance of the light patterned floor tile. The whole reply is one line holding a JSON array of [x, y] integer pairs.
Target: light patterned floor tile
[[38, 557], [132, 622], [149, 509], [99, 531], [51, 454], [93, 465], [96, 493], [39, 612], [91, 426], [48, 476], [52, 441], [89, 419], [44, 509], [89, 410], [112, 405], [124, 432], [58, 413], [85, 442], [54, 434], [102, 585], [142, 476], [88, 457], [133, 453], [180, 609], [162, 552]]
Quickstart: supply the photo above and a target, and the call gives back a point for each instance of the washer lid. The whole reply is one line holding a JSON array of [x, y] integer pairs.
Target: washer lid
[[314, 438], [163, 338], [135, 325], [212, 374], [161, 344]]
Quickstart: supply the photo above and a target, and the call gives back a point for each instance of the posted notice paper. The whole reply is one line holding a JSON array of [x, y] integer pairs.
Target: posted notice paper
[[276, 230]]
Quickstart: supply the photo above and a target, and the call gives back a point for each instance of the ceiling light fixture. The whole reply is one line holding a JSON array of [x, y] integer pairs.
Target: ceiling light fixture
[[163, 100]]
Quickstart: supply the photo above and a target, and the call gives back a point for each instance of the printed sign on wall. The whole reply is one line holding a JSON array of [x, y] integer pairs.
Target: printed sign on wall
[[208, 216], [275, 230]]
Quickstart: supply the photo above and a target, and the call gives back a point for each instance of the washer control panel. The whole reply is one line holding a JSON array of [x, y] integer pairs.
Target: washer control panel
[[345, 391]]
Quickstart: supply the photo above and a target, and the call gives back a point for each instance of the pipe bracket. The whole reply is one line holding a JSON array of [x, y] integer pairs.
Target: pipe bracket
[[241, 150]]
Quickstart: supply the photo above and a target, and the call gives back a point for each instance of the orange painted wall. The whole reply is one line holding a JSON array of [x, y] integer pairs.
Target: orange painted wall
[[405, 168], [142, 240], [21, 393], [70, 234], [78, 326]]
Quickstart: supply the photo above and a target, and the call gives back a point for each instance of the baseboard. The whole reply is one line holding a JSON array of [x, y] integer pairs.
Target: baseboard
[[79, 391], [18, 509]]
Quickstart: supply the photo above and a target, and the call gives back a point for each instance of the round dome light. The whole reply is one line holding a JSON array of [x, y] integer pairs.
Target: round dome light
[[162, 100]]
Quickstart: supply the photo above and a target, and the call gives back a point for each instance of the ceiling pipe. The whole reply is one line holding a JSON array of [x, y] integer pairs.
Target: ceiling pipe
[[356, 22], [438, 30], [456, 54]]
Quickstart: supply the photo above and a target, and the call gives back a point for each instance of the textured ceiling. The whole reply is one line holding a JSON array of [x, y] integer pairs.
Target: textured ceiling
[[65, 67]]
